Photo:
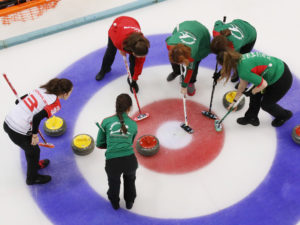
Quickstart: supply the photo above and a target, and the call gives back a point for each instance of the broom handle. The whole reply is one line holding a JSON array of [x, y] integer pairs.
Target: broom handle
[[130, 78], [11, 87], [184, 97]]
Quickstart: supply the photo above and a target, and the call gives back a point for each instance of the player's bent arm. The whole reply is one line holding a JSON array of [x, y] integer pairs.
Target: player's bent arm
[[37, 118]]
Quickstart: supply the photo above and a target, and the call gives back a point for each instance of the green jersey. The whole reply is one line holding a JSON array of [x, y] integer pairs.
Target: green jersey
[[111, 136], [255, 67], [194, 35], [242, 32]]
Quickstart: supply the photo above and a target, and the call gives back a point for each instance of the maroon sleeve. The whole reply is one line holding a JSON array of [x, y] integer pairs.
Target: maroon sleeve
[[139, 63]]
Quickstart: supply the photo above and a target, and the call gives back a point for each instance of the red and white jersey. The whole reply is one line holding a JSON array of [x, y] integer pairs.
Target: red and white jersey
[[20, 117]]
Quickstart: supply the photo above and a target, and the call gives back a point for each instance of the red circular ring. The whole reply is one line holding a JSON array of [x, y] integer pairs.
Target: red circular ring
[[205, 146]]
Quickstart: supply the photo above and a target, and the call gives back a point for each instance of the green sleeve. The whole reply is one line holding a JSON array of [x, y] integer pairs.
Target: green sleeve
[[251, 77], [101, 137]]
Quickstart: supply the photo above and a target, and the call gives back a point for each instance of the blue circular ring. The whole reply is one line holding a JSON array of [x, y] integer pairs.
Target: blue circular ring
[[69, 199]]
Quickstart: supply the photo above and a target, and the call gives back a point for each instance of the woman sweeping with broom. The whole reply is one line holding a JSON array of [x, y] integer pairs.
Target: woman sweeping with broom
[[271, 78]]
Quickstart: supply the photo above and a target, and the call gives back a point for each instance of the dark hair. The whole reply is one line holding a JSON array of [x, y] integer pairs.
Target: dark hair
[[123, 103], [136, 43], [58, 86], [179, 54], [220, 43], [229, 60]]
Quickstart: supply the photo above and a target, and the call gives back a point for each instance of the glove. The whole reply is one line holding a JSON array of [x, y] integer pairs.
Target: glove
[[248, 92], [134, 85], [216, 76]]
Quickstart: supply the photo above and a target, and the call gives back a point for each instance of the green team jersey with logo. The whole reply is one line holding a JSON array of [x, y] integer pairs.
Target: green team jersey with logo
[[242, 32], [111, 137], [194, 35], [255, 67]]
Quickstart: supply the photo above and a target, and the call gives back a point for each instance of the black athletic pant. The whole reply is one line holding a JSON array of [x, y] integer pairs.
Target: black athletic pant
[[109, 58], [247, 48], [268, 100], [176, 70], [114, 168], [32, 152]]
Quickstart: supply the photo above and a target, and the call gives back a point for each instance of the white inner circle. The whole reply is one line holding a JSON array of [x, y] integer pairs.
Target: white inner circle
[[243, 163], [172, 136]]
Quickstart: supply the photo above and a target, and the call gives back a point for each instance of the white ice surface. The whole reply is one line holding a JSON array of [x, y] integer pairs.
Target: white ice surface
[[31, 64]]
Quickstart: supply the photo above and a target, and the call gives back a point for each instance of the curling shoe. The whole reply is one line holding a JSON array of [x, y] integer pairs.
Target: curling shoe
[[277, 122], [43, 163], [172, 76], [101, 74], [129, 205], [40, 179], [247, 120], [115, 205], [191, 90]]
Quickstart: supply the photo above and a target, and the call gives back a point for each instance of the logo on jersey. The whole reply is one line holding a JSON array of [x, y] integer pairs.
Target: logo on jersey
[[187, 38], [133, 28], [236, 32], [31, 102], [255, 54], [116, 130]]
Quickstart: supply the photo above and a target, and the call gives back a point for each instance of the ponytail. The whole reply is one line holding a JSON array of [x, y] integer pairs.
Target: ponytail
[[229, 60], [58, 86], [123, 103]]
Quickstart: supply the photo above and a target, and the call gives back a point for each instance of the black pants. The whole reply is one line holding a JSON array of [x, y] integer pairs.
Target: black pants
[[273, 93], [114, 168], [176, 70], [109, 58], [247, 48], [32, 152]]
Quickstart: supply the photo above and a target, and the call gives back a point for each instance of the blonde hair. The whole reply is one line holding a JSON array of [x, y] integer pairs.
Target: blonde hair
[[229, 60]]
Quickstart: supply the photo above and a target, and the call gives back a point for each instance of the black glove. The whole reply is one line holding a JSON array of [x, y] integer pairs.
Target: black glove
[[216, 76], [134, 85], [248, 92]]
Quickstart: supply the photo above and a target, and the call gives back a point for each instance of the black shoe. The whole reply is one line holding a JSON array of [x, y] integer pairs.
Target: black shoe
[[172, 76], [129, 205], [234, 78], [101, 74], [40, 179], [246, 120], [277, 122], [134, 85], [43, 163], [115, 205]]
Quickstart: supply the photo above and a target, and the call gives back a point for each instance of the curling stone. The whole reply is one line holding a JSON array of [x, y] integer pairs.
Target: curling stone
[[55, 126], [296, 134], [147, 145], [228, 99], [83, 144]]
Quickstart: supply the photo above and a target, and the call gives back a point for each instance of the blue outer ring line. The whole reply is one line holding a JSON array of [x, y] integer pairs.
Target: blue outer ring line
[[68, 198]]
